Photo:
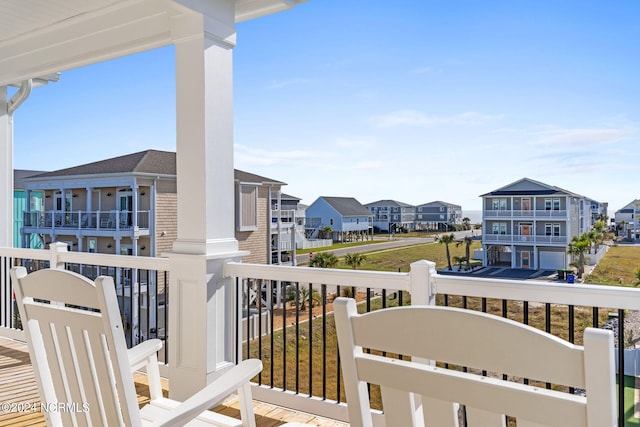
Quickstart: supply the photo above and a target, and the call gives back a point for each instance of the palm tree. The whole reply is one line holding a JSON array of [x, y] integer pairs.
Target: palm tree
[[459, 260], [354, 259], [577, 248], [326, 232], [467, 223], [301, 296], [602, 217], [324, 260], [446, 239], [600, 227], [593, 238], [466, 241]]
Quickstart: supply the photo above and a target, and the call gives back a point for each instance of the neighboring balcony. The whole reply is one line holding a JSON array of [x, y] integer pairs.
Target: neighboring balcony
[[87, 223], [507, 213], [281, 219], [519, 239]]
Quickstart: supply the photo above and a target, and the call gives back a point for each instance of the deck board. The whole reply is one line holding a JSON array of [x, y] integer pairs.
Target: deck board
[[18, 385]]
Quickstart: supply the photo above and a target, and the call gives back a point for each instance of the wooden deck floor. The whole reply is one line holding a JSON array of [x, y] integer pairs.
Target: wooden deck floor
[[18, 385]]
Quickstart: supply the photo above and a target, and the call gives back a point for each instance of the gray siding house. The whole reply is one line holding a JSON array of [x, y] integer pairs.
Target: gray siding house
[[627, 222], [437, 215], [390, 215], [528, 224], [345, 216]]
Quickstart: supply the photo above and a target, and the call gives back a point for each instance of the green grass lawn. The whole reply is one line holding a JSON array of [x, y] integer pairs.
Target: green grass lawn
[[337, 246], [629, 403], [617, 267], [401, 259]]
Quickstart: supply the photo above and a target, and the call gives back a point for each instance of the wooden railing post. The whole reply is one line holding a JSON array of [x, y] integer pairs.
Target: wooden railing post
[[55, 249], [423, 285]]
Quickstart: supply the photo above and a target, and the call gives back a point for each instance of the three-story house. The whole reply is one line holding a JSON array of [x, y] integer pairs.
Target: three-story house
[[528, 224]]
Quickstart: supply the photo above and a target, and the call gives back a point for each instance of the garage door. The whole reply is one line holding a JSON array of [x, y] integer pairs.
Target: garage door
[[551, 260]]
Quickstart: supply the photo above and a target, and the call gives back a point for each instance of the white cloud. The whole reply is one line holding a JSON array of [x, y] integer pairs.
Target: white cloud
[[418, 118], [422, 70], [280, 84], [354, 143], [369, 164], [258, 156], [584, 136]]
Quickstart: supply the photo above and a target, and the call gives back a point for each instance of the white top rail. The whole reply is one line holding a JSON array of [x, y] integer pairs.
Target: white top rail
[[41, 254], [555, 293], [108, 260], [324, 276], [126, 261]]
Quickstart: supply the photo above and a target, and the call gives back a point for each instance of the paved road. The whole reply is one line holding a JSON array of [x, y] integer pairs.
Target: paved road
[[384, 243]]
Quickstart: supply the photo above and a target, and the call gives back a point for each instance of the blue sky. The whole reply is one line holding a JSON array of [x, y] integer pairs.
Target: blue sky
[[410, 100]]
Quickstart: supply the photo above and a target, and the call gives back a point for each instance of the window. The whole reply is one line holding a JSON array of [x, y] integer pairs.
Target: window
[[331, 221], [552, 230], [499, 204], [499, 228], [550, 204], [248, 208]]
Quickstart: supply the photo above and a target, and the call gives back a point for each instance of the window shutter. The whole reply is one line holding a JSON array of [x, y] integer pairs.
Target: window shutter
[[248, 208]]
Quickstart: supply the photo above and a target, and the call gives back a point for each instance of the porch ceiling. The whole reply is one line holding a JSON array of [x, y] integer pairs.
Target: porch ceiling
[[40, 37]]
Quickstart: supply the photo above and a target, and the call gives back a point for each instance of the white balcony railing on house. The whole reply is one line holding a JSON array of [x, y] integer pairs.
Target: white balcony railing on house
[[515, 213], [284, 216], [38, 221], [525, 239], [288, 333]]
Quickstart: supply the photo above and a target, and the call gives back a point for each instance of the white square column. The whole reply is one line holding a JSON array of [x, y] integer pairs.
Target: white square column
[[6, 171], [202, 308]]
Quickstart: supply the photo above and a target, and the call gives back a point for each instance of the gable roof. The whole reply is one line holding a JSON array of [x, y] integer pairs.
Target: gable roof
[[529, 187], [347, 206], [19, 176], [388, 202], [148, 161], [143, 162], [243, 176], [440, 203]]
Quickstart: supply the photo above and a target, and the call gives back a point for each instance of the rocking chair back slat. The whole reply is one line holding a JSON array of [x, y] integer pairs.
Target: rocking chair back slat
[[74, 366]]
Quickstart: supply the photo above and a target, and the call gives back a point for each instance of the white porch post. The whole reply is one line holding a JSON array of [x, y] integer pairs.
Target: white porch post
[[201, 309], [6, 172]]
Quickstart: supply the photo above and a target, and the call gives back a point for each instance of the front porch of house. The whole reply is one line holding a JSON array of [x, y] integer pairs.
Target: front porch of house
[[20, 394]]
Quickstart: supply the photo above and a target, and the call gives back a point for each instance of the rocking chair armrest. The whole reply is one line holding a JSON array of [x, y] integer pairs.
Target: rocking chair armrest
[[214, 393], [140, 354]]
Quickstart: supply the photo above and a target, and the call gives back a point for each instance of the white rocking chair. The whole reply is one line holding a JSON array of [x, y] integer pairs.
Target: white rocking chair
[[78, 351], [418, 393]]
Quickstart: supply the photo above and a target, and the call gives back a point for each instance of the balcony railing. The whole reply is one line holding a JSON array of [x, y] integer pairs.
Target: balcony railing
[[141, 288], [525, 239], [285, 216], [285, 333], [300, 355], [86, 220], [515, 213]]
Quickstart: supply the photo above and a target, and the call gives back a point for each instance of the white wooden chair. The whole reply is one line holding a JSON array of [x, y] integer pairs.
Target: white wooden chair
[[417, 393], [78, 351]]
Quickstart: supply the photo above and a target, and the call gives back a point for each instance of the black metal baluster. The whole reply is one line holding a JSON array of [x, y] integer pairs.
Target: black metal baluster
[[284, 339], [324, 340], [547, 327], [271, 334], [259, 283], [621, 420], [310, 339], [297, 299]]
